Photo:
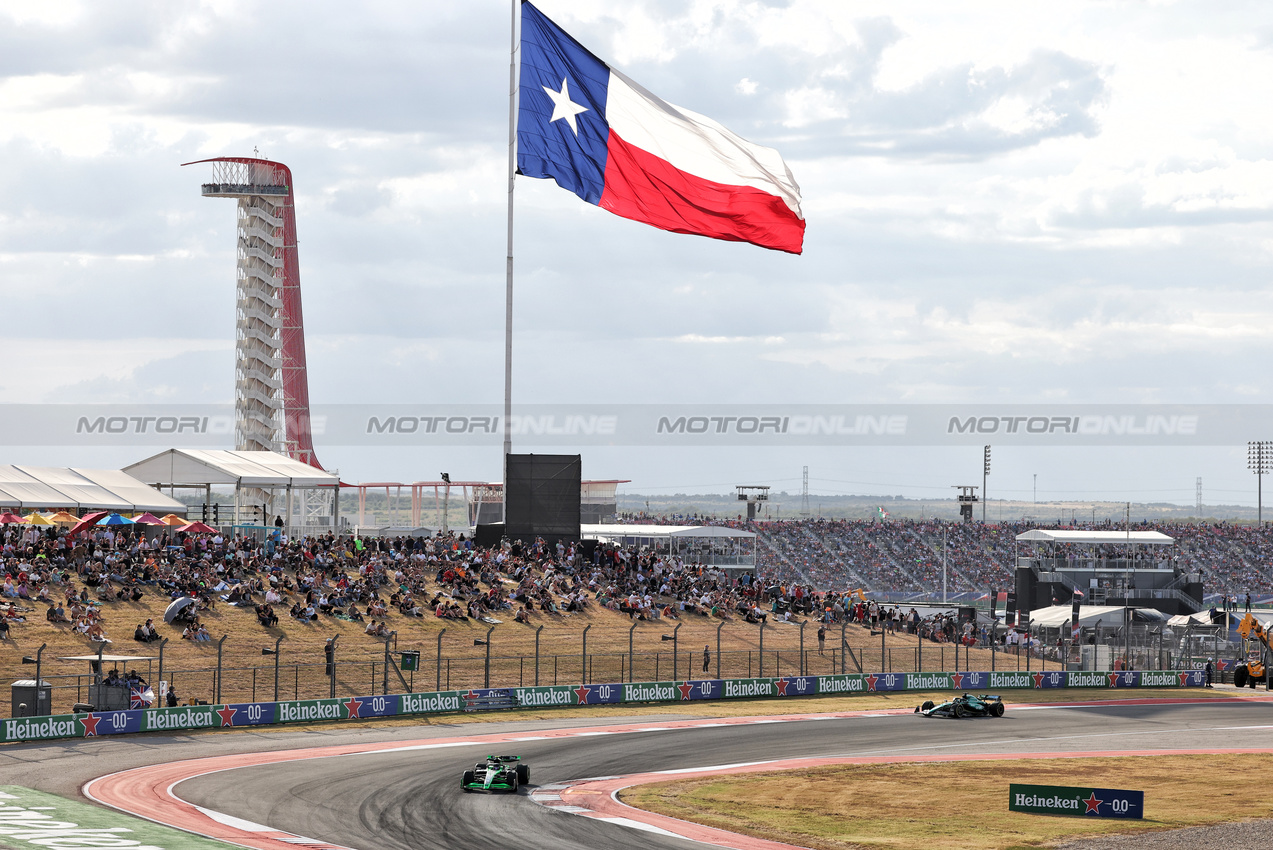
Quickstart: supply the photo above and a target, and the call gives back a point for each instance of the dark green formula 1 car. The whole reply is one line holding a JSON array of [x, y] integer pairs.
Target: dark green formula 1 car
[[497, 773], [984, 705]]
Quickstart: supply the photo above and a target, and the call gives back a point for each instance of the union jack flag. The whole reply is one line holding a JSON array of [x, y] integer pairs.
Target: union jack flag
[[140, 698]]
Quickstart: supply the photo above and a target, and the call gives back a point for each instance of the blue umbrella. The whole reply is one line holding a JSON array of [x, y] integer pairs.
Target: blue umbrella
[[115, 519]]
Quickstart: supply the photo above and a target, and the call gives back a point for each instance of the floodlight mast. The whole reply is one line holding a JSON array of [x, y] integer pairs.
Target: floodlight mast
[[271, 387], [1259, 459]]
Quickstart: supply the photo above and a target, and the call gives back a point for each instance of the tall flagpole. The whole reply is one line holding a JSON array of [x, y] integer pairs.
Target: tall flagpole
[[508, 287]]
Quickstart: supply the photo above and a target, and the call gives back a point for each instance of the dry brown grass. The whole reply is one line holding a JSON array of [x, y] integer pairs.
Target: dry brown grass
[[360, 670], [961, 805]]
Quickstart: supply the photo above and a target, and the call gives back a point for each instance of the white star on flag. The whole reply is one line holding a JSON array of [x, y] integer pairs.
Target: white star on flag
[[563, 106]]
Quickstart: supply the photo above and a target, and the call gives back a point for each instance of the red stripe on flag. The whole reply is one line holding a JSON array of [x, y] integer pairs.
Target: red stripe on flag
[[644, 188]]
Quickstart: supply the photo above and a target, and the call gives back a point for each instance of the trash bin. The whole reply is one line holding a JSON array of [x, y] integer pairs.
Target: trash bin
[[30, 699]]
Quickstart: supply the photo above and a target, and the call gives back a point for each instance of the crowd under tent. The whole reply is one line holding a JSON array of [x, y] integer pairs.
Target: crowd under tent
[[305, 498], [731, 549], [34, 488]]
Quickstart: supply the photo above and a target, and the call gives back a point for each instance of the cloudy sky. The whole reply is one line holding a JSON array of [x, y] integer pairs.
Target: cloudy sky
[[1006, 202]]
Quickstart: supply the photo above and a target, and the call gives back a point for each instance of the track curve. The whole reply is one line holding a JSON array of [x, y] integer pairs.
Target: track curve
[[400, 797]]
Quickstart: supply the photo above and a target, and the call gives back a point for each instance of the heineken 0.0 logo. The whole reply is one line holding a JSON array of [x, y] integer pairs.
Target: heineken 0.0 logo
[[1081, 802]]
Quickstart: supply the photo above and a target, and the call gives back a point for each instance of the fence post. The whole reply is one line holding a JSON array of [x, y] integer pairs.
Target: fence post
[[844, 641], [219, 645], [394, 635], [718, 628], [631, 656], [537, 631], [438, 665], [676, 660], [160, 678], [583, 663], [761, 674], [802, 625], [486, 677], [333, 665], [277, 643], [883, 651]]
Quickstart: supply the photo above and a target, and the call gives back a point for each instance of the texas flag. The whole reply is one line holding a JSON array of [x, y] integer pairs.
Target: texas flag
[[614, 144]]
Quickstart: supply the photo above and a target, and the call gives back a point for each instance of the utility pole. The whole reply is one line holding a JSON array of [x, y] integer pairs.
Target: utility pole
[[1198, 507], [804, 494], [1036, 492], [985, 471]]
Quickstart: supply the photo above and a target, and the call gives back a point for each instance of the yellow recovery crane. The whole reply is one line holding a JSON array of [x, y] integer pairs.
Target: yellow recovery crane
[[1255, 641]]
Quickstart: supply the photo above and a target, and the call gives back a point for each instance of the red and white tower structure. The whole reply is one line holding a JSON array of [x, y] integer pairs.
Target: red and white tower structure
[[271, 387]]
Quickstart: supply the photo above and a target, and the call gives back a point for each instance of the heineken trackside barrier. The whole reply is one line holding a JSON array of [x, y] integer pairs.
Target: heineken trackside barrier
[[34, 819], [1082, 802], [97, 724]]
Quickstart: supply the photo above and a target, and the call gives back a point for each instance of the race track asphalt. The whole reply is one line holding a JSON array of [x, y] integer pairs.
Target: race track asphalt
[[411, 799]]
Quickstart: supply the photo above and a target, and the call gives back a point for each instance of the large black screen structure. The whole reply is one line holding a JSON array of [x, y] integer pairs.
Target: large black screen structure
[[541, 497]]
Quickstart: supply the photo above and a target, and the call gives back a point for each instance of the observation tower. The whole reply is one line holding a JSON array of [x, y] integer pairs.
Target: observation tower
[[271, 387]]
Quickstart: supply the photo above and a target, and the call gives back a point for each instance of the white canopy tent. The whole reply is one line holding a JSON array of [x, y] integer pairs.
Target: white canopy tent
[[250, 475], [87, 494], [205, 467], [698, 544], [1055, 616], [43, 487], [20, 490]]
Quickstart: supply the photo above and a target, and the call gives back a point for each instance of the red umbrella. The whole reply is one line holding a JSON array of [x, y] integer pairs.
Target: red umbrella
[[148, 519], [8, 517], [86, 521], [197, 528]]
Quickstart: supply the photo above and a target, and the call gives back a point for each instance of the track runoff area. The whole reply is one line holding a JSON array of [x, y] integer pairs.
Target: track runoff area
[[405, 792]]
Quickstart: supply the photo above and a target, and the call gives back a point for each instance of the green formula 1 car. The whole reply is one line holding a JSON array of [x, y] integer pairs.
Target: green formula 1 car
[[497, 773], [982, 705]]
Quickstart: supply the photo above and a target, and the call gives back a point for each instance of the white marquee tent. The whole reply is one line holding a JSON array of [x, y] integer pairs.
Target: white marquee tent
[[44, 487], [702, 544], [1111, 616], [250, 475]]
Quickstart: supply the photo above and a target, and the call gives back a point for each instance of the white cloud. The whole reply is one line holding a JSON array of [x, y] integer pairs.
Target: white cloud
[[1021, 200]]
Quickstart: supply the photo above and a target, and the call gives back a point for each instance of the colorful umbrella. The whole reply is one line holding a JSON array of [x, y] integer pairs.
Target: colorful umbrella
[[8, 517], [198, 528], [173, 519], [85, 521], [115, 519], [148, 519], [64, 518], [37, 519]]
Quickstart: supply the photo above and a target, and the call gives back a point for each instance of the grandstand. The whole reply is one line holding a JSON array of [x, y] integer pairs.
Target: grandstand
[[906, 555]]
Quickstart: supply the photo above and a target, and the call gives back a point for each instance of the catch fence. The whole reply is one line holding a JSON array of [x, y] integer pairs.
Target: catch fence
[[475, 662]]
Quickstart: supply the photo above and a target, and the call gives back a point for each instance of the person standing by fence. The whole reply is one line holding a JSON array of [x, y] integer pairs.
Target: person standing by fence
[[707, 657]]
